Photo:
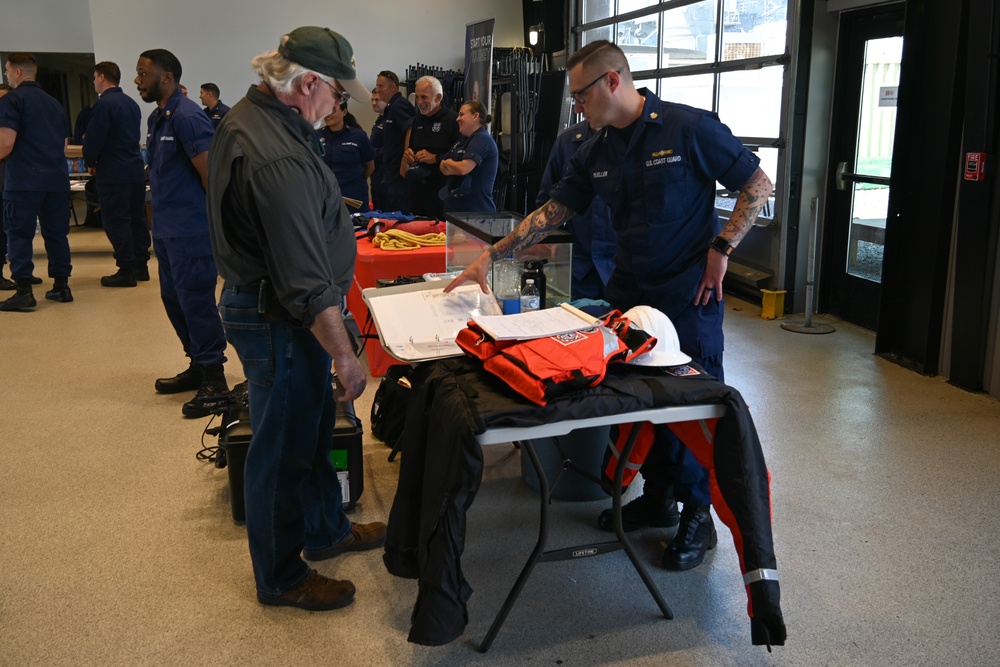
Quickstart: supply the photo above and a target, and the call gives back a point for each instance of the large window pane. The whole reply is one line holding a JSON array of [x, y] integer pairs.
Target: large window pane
[[689, 35], [588, 36], [750, 101], [638, 39], [594, 10], [753, 28], [695, 91]]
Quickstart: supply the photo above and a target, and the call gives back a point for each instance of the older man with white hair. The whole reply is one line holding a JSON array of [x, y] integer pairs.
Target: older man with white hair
[[284, 244], [433, 132]]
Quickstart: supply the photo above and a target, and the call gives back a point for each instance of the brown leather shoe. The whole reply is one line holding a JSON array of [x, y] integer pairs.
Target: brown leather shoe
[[363, 536], [317, 593]]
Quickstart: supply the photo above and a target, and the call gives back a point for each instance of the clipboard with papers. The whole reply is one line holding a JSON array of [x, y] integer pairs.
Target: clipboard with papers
[[419, 322]]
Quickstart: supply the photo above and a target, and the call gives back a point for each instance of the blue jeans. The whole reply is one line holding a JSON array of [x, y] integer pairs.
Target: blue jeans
[[293, 499]]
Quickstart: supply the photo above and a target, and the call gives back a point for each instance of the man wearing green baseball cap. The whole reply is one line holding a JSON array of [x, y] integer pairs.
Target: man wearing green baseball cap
[[284, 243]]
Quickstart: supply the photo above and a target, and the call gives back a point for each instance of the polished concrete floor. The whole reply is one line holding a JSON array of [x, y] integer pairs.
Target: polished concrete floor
[[117, 546]]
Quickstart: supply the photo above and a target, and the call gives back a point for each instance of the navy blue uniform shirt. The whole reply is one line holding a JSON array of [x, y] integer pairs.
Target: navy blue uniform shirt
[[175, 134], [476, 191], [37, 162], [593, 234], [345, 152], [398, 116], [216, 113], [661, 189], [111, 143]]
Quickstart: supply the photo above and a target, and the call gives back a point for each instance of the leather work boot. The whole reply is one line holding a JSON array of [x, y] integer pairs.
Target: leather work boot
[[35, 280], [363, 536], [694, 538], [188, 380], [60, 291], [22, 301], [142, 272], [213, 394], [125, 277], [7, 284], [646, 510], [317, 593]]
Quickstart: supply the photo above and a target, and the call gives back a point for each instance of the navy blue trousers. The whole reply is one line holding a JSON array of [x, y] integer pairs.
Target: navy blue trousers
[[188, 279], [124, 218], [21, 210]]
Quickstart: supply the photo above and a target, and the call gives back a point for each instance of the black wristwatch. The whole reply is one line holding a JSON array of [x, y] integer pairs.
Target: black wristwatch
[[722, 245]]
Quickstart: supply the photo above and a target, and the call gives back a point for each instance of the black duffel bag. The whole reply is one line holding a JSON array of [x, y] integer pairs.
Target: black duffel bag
[[389, 406]]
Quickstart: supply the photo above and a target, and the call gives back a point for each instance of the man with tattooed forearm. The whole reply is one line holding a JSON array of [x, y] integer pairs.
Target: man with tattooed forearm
[[656, 164]]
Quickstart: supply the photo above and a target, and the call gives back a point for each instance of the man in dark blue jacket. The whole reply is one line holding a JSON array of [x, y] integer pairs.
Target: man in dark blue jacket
[[111, 152], [33, 131]]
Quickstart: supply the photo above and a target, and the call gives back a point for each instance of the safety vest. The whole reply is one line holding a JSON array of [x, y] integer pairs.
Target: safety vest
[[542, 368]]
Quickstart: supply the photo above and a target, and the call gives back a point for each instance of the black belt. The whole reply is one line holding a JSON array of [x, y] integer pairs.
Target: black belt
[[252, 288]]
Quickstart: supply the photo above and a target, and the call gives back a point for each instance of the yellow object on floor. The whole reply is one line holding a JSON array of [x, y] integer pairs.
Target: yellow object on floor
[[773, 306]]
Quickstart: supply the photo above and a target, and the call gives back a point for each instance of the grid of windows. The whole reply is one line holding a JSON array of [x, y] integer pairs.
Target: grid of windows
[[728, 56]]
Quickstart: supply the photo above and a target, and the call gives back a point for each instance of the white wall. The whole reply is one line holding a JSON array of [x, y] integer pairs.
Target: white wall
[[215, 39], [45, 26]]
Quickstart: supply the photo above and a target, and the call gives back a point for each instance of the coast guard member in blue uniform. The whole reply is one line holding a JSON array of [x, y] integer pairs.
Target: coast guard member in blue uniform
[[214, 108], [398, 115], [655, 163], [33, 131], [178, 137], [111, 152], [593, 235]]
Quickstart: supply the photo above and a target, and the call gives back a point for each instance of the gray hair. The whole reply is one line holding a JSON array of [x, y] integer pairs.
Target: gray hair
[[432, 82], [280, 73]]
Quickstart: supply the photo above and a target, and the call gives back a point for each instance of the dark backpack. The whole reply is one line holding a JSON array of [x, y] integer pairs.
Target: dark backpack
[[389, 405]]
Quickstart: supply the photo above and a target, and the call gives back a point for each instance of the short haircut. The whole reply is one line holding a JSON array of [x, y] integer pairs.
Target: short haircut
[[601, 55], [389, 74], [110, 71], [478, 108], [164, 60], [211, 88], [24, 61], [432, 82]]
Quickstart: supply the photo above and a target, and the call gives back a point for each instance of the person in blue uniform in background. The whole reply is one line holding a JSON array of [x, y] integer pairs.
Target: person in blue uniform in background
[[471, 164], [656, 165], [214, 108], [397, 118], [378, 128], [348, 152], [111, 153], [178, 136], [593, 234], [33, 132]]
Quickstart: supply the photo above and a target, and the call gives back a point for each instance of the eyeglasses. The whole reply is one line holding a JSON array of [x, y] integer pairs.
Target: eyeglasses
[[578, 96], [389, 75], [342, 95]]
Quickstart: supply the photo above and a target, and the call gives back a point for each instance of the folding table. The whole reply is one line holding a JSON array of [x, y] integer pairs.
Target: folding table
[[524, 436]]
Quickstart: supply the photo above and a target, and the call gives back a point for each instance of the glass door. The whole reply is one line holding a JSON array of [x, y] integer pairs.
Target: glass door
[[868, 65]]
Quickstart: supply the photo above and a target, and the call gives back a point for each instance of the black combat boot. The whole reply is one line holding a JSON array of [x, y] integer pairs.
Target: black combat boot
[[188, 380], [60, 290], [212, 396], [23, 299], [656, 507], [694, 538], [125, 277], [141, 272]]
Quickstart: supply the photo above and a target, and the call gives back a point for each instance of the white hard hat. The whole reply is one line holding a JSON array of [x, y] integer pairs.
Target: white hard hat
[[667, 351]]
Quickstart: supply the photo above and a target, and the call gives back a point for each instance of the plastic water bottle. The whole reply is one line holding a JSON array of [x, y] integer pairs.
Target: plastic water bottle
[[530, 300]]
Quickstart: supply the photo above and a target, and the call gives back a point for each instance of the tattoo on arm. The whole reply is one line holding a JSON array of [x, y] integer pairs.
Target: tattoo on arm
[[753, 197], [532, 229]]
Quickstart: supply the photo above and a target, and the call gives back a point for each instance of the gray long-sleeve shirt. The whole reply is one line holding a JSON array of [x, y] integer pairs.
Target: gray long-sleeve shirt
[[275, 210]]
